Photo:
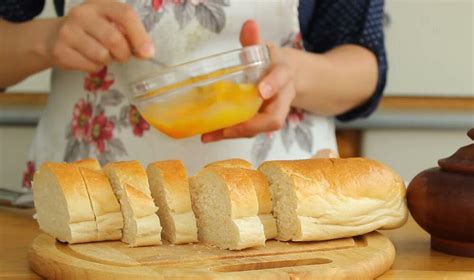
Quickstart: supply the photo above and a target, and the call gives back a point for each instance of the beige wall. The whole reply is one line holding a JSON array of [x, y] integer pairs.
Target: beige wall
[[410, 151], [14, 146]]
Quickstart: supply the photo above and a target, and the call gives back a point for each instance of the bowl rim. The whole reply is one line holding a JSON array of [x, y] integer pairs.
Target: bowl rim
[[141, 89], [147, 95]]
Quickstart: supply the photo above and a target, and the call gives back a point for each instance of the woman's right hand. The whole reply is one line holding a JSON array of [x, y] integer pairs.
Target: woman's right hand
[[94, 34]]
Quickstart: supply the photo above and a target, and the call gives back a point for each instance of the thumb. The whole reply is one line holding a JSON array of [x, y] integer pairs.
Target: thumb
[[249, 34]]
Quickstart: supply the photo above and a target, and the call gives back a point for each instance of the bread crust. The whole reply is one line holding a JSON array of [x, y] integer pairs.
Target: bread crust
[[259, 181], [142, 204], [175, 184], [241, 190], [90, 163], [131, 187], [233, 162], [133, 173], [76, 221], [74, 189], [340, 197], [341, 176], [104, 204]]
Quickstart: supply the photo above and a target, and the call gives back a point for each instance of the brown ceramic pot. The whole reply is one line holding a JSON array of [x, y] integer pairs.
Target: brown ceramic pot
[[441, 200]]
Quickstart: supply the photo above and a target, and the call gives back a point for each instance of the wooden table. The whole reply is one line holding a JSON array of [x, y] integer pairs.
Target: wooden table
[[415, 259]]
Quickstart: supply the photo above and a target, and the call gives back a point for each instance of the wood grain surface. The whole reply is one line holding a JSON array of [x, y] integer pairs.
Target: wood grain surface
[[362, 257], [388, 102], [414, 257]]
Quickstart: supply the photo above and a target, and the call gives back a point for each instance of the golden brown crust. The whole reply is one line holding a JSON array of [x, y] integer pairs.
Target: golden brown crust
[[234, 162], [175, 179], [132, 173], [352, 177], [91, 163], [70, 180], [259, 181], [142, 204], [241, 190], [262, 189], [100, 191]]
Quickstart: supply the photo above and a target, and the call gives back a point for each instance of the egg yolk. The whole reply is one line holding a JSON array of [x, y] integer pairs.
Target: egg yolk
[[203, 109]]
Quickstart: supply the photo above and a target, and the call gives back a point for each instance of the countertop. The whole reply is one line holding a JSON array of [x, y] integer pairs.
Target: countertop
[[414, 260]]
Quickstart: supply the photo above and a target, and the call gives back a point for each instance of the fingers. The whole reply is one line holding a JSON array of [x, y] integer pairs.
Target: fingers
[[272, 118], [89, 47], [110, 37], [96, 33], [70, 59], [276, 79], [250, 34], [135, 32]]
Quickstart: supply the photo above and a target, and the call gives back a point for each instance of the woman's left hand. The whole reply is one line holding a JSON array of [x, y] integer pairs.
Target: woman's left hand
[[276, 89]]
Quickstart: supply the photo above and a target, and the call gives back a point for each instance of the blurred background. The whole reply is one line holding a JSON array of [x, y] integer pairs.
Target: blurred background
[[425, 114]]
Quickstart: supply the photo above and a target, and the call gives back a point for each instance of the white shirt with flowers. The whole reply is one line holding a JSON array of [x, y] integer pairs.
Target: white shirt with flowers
[[89, 115]]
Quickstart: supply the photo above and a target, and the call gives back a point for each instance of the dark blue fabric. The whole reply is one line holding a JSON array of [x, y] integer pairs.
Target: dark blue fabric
[[20, 10], [325, 24]]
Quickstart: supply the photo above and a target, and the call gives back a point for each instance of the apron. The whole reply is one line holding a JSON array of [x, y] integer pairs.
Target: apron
[[89, 115]]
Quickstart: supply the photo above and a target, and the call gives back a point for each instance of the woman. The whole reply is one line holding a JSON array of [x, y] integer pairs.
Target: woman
[[98, 47]]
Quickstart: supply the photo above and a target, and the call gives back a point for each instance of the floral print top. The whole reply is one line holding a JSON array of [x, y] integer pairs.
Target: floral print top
[[89, 115]]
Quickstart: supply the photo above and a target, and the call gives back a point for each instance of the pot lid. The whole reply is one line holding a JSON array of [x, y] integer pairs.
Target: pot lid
[[462, 161]]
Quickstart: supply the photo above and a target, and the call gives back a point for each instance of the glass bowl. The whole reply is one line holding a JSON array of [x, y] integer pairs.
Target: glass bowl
[[203, 95]]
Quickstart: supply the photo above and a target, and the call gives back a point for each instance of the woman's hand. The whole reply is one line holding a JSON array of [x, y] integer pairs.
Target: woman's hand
[[93, 34], [276, 89]]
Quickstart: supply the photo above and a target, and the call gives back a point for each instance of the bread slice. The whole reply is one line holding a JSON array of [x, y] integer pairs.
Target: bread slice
[[226, 206], [62, 204], [320, 199], [90, 163], [130, 185], [231, 163], [170, 190], [104, 203], [262, 189]]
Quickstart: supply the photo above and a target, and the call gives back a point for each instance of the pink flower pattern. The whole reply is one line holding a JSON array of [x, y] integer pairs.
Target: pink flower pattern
[[81, 118], [28, 174], [101, 80], [157, 5], [101, 131], [139, 124], [91, 130]]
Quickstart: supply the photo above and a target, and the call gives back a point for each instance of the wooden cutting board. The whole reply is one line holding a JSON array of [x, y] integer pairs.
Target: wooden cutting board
[[361, 257]]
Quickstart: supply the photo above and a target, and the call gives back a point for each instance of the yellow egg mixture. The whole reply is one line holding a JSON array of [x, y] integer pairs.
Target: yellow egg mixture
[[203, 109]]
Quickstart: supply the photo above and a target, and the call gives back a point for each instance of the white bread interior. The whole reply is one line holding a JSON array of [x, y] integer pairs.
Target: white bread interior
[[104, 203], [170, 190], [262, 189], [225, 204], [62, 204], [321, 199], [130, 185]]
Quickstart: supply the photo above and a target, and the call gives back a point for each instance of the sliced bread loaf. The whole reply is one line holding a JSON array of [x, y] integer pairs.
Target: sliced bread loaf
[[170, 190], [62, 203], [130, 185], [104, 203], [262, 190], [320, 199], [226, 207]]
